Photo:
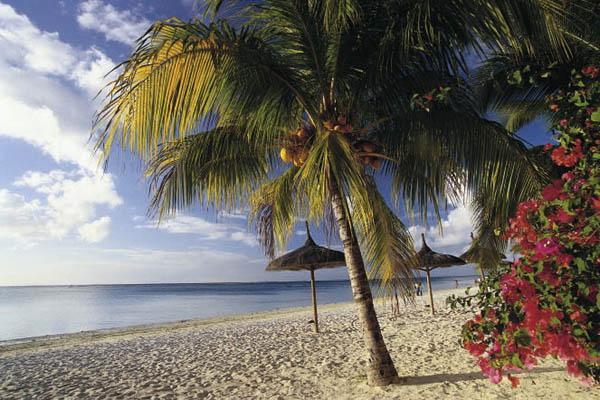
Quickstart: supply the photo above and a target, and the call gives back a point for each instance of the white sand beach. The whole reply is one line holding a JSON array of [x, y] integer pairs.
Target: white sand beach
[[272, 355]]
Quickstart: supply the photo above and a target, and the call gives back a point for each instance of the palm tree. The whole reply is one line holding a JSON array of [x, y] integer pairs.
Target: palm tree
[[221, 110]]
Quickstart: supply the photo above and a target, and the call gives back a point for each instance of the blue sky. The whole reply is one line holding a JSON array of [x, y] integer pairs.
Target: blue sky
[[65, 221]]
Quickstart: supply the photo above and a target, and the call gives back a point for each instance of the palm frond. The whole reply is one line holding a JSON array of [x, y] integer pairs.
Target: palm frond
[[274, 208], [219, 169], [388, 246], [183, 76]]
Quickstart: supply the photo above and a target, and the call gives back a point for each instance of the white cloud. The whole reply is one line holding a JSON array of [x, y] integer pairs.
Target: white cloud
[[247, 238], [457, 225], [90, 73], [88, 264], [71, 198], [123, 26], [39, 51], [45, 90], [201, 227], [53, 117], [71, 203], [95, 231], [237, 214], [40, 126], [20, 219]]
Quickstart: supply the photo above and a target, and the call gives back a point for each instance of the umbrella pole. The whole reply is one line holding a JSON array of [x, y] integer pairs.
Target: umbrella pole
[[314, 299], [430, 292]]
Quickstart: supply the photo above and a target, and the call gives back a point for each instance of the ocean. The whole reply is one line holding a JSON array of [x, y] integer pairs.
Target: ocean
[[28, 311]]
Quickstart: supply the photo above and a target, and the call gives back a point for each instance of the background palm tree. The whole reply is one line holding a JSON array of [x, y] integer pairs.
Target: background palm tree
[[342, 90]]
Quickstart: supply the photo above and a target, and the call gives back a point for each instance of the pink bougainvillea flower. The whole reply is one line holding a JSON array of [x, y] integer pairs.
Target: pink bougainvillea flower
[[495, 375], [477, 349], [561, 157], [561, 216], [577, 315], [578, 184], [588, 70], [568, 176], [548, 276], [496, 347], [547, 246], [596, 204], [514, 381], [563, 259], [573, 368], [554, 191]]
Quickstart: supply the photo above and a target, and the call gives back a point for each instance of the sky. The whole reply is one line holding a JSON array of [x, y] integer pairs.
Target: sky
[[65, 220]]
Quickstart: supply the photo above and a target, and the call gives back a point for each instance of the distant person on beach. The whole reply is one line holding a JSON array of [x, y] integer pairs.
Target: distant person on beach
[[456, 282], [418, 289]]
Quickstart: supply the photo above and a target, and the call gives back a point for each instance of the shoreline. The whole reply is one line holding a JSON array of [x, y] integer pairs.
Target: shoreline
[[34, 343]]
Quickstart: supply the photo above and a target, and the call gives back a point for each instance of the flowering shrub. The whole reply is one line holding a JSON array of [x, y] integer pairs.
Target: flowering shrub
[[424, 101], [548, 302]]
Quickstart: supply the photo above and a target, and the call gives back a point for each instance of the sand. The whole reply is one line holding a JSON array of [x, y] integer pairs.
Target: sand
[[271, 355]]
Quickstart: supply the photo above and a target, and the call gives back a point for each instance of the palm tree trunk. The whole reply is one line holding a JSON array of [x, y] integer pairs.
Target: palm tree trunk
[[380, 368]]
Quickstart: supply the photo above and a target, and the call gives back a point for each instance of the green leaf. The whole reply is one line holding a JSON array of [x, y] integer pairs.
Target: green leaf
[[580, 264], [517, 77], [516, 361], [554, 321], [596, 115]]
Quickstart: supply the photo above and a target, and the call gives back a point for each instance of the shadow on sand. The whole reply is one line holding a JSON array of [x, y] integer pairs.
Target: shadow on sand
[[470, 376]]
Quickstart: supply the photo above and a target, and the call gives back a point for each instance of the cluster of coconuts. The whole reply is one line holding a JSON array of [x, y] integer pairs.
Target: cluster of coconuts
[[339, 125], [297, 145], [298, 142], [360, 145], [368, 147]]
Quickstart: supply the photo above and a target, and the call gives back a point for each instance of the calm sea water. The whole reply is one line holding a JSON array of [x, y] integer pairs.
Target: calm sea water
[[45, 310]]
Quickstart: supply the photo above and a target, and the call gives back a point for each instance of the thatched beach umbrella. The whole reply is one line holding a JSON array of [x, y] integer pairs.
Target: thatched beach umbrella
[[309, 257], [482, 256], [431, 260]]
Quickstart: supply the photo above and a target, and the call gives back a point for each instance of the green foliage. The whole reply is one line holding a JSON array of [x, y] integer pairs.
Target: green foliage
[[547, 302]]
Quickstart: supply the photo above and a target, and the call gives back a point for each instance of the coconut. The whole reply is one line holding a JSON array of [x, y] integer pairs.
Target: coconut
[[286, 155], [295, 140], [302, 133], [368, 147], [338, 128], [302, 155], [375, 163], [329, 125]]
